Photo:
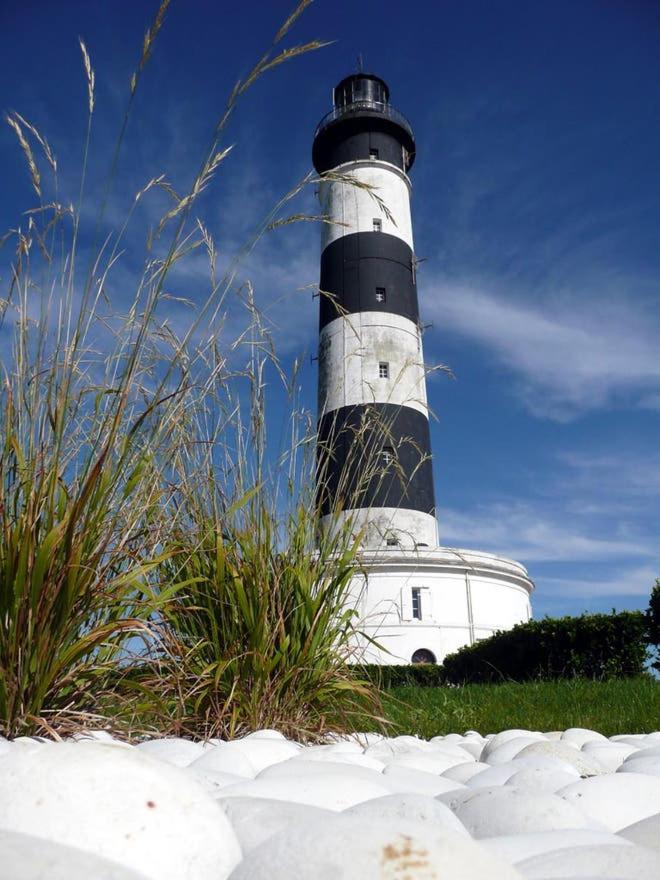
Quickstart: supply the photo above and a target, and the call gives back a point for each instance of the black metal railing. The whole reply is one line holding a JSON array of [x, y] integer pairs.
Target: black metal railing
[[357, 107]]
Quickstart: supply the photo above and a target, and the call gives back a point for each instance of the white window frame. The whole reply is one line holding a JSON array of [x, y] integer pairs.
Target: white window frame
[[378, 224], [383, 370]]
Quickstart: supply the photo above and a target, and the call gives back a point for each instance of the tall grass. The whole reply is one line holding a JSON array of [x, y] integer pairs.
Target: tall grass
[[116, 537]]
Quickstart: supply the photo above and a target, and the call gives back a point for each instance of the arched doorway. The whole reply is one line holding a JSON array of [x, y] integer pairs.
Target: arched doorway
[[423, 655]]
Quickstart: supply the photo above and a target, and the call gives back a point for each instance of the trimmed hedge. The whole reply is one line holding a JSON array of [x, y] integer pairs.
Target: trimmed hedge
[[593, 646]]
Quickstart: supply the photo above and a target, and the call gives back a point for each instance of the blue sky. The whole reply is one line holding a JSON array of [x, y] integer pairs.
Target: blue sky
[[536, 205]]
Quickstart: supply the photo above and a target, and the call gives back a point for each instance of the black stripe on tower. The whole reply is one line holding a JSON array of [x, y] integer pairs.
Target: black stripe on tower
[[374, 455], [367, 272]]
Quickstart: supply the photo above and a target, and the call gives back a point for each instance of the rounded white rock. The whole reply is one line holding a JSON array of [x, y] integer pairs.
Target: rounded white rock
[[508, 810], [346, 847], [578, 862], [586, 765], [509, 750], [495, 741], [412, 808], [121, 805], [407, 779], [225, 758], [617, 799], [646, 832], [24, 857], [333, 791], [541, 779], [650, 766], [173, 750], [255, 820], [609, 755], [515, 848], [578, 736], [462, 772]]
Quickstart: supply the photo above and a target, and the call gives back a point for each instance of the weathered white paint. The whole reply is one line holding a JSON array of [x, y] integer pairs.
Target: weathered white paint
[[350, 350], [500, 590], [408, 527], [353, 209]]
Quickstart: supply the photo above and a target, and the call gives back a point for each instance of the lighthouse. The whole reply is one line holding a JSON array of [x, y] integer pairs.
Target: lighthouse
[[375, 466]]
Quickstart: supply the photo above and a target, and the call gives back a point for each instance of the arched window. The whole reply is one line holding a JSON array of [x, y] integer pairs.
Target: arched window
[[423, 655]]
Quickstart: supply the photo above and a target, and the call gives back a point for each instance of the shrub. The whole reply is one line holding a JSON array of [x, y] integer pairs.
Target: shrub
[[405, 675], [653, 623], [596, 646]]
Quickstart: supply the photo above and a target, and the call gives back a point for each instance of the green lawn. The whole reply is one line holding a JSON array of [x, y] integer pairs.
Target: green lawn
[[611, 707]]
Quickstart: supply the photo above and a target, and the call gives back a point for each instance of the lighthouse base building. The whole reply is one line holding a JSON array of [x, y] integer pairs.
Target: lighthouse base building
[[419, 606], [418, 600]]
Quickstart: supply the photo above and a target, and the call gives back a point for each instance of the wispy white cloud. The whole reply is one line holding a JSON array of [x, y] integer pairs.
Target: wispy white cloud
[[534, 534], [632, 581], [568, 355]]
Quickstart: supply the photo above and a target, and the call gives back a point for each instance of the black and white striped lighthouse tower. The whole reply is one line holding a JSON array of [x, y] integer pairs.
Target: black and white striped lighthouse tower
[[372, 408]]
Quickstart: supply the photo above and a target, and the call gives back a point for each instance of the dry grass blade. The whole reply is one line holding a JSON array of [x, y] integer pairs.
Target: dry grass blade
[[45, 146], [89, 73], [35, 177], [288, 24], [147, 43]]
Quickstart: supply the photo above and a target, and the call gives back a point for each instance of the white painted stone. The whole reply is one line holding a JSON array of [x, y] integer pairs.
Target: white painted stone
[[265, 733], [504, 736], [463, 772], [586, 765], [617, 862], [174, 750], [301, 769], [214, 781], [617, 799], [351, 847], [501, 773], [609, 755], [578, 736], [515, 848], [649, 766], [345, 747], [644, 752], [119, 804], [541, 779], [261, 753], [508, 750], [646, 832], [417, 808], [472, 747], [508, 810], [356, 760], [335, 791], [407, 779], [225, 758], [429, 762], [256, 820], [25, 857]]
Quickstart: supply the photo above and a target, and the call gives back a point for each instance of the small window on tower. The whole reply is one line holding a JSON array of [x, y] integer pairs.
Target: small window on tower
[[381, 294], [378, 224], [392, 541], [387, 455], [416, 603], [373, 153], [383, 370]]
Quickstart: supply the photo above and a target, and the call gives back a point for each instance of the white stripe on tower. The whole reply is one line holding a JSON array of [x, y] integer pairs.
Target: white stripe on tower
[[371, 364]]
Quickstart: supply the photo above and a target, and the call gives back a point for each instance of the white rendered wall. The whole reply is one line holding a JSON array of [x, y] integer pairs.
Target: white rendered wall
[[352, 209], [350, 350], [466, 595], [410, 527]]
